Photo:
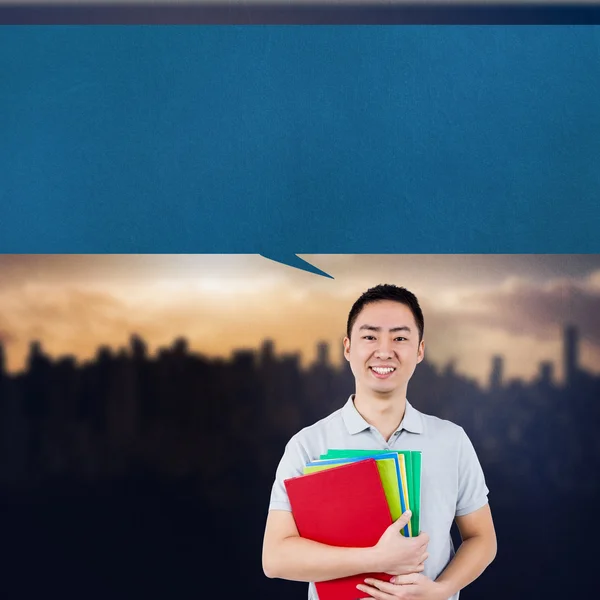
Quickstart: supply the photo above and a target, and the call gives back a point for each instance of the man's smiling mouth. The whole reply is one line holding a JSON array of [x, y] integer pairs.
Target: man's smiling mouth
[[383, 370]]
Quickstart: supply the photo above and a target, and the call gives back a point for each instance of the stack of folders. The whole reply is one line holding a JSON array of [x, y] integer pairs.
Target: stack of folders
[[348, 498]]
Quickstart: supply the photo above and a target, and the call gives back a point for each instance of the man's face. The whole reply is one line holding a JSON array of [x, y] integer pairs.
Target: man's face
[[384, 347]]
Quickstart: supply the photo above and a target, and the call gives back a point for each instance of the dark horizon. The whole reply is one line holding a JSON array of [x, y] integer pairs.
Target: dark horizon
[[546, 369]]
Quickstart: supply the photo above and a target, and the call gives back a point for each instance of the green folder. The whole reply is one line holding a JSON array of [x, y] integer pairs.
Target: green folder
[[413, 472], [416, 469], [413, 464], [388, 471]]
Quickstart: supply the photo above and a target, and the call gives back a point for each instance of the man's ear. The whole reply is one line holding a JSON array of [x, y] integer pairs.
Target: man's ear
[[421, 351], [347, 348]]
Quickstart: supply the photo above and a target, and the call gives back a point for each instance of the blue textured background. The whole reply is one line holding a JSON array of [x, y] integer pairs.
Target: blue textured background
[[281, 140]]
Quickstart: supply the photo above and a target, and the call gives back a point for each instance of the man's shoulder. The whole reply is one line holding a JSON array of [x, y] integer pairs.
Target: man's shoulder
[[434, 425]]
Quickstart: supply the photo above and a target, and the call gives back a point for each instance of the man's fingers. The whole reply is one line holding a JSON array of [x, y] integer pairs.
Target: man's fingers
[[375, 592], [383, 586], [406, 579], [403, 520], [425, 557], [419, 544], [423, 537]]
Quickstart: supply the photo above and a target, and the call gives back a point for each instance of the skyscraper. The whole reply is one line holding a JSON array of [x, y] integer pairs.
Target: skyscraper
[[497, 373], [570, 354], [323, 354], [267, 353], [546, 373]]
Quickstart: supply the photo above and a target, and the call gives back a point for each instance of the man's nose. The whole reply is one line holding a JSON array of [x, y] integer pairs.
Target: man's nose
[[384, 350]]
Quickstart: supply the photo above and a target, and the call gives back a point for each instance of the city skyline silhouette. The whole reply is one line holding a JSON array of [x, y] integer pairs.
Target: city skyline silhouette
[[123, 398], [102, 444]]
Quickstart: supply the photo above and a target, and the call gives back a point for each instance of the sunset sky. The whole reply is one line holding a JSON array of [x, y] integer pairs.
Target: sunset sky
[[475, 306]]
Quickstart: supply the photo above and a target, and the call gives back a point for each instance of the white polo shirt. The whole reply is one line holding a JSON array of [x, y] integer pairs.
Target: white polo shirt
[[452, 481]]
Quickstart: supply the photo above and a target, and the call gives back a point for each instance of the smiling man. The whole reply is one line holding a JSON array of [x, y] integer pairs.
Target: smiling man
[[384, 344]]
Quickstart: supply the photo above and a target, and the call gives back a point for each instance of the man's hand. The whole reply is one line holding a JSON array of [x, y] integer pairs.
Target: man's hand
[[400, 555], [405, 587]]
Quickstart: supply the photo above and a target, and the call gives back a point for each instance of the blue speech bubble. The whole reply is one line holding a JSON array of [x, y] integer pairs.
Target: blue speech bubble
[[311, 140]]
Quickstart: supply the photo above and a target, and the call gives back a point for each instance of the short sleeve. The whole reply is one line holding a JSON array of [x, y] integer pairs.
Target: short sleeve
[[291, 465], [472, 489]]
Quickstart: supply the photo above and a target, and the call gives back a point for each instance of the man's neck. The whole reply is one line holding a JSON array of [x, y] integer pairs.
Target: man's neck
[[383, 413]]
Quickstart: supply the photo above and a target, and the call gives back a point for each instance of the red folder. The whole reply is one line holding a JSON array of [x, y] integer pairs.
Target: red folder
[[343, 506]]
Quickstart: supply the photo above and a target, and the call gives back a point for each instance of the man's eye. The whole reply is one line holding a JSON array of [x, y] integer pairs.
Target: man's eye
[[400, 339], [368, 337]]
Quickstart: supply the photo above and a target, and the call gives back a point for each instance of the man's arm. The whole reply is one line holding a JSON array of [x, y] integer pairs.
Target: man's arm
[[474, 555], [476, 552], [286, 555]]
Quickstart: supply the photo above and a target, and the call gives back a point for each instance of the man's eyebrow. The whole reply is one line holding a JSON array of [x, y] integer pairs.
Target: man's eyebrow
[[392, 330]]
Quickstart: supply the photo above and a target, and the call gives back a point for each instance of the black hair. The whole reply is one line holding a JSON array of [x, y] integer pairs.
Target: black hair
[[387, 292]]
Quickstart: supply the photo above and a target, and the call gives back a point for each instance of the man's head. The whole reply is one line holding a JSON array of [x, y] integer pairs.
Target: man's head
[[387, 292], [384, 340]]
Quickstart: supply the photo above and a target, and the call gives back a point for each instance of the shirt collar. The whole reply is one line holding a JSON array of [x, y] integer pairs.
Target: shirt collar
[[355, 423]]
